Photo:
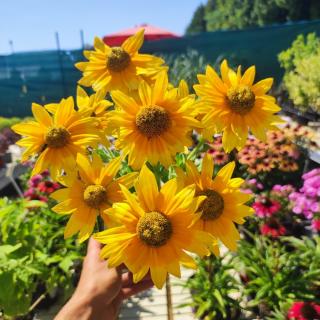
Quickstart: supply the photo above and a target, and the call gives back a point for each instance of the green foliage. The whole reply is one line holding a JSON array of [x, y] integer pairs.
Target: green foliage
[[35, 259], [198, 22], [301, 48], [213, 288], [302, 80], [185, 66], [280, 272], [239, 14], [8, 122]]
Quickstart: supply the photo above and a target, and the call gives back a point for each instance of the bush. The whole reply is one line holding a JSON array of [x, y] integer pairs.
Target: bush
[[213, 288], [240, 14], [277, 273], [302, 79], [185, 66], [35, 260], [8, 122]]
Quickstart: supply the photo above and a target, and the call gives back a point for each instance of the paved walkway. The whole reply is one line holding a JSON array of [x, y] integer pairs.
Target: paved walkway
[[152, 304]]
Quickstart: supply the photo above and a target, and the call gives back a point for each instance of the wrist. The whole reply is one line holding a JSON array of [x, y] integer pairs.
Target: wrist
[[76, 309]]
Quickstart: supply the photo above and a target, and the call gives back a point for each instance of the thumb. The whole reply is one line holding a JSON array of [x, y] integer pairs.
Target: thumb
[[93, 249]]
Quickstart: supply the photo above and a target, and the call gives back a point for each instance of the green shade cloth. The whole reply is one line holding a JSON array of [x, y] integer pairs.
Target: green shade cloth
[[47, 76]]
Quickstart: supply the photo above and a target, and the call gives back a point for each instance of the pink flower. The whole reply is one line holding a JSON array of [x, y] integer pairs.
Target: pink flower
[[283, 190], [311, 174], [33, 195], [266, 207], [29, 192], [34, 181], [304, 311], [304, 205], [248, 191]]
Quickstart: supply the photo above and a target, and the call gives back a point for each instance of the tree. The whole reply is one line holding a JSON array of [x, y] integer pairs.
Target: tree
[[198, 23], [240, 14]]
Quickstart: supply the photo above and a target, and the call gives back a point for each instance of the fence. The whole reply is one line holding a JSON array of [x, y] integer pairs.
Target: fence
[[47, 76]]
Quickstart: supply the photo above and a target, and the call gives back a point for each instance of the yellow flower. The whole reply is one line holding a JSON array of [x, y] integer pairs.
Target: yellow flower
[[118, 68], [96, 106], [234, 105], [224, 204], [89, 192], [156, 230], [91, 106], [56, 139], [155, 126]]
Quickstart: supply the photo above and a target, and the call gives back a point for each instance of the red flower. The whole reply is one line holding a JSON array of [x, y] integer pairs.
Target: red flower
[[304, 311], [315, 225], [266, 207], [48, 186], [273, 229]]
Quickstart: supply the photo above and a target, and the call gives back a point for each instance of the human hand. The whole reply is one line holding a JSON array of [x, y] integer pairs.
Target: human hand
[[101, 290]]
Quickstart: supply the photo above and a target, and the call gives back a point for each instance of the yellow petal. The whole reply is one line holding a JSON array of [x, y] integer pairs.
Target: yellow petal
[[82, 98], [110, 171], [145, 94], [262, 86], [158, 276], [134, 43], [85, 169], [132, 201], [248, 77], [160, 87], [147, 189], [207, 167], [41, 115], [140, 274], [226, 172]]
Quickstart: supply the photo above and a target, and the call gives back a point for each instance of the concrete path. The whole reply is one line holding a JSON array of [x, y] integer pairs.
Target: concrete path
[[152, 304]]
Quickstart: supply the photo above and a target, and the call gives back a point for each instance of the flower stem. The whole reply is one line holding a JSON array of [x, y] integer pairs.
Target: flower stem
[[100, 223], [194, 153]]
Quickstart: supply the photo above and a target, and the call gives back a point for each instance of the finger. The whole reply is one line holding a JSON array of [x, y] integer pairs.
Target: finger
[[127, 279], [122, 268], [94, 248], [136, 288]]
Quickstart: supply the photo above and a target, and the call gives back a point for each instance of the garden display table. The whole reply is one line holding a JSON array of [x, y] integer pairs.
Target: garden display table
[[11, 172]]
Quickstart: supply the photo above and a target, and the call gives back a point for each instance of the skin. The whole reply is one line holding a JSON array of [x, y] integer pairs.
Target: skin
[[101, 290]]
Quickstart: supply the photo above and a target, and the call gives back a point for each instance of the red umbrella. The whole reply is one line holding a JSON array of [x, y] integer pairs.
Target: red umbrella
[[151, 33]]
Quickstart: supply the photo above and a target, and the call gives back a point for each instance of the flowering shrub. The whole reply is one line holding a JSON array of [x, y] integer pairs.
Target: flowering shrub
[[272, 228], [36, 263], [278, 152], [215, 150], [307, 199], [40, 186], [304, 311], [301, 79], [274, 276]]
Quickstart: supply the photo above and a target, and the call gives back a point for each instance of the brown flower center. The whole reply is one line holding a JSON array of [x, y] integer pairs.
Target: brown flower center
[[240, 99], [308, 311], [153, 121], [57, 137], [212, 207], [118, 59], [154, 229], [94, 196]]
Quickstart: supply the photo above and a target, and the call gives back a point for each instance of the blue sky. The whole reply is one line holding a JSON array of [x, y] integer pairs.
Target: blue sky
[[31, 24]]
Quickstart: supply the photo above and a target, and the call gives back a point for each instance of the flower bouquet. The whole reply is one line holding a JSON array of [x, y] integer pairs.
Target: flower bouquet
[[126, 163]]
